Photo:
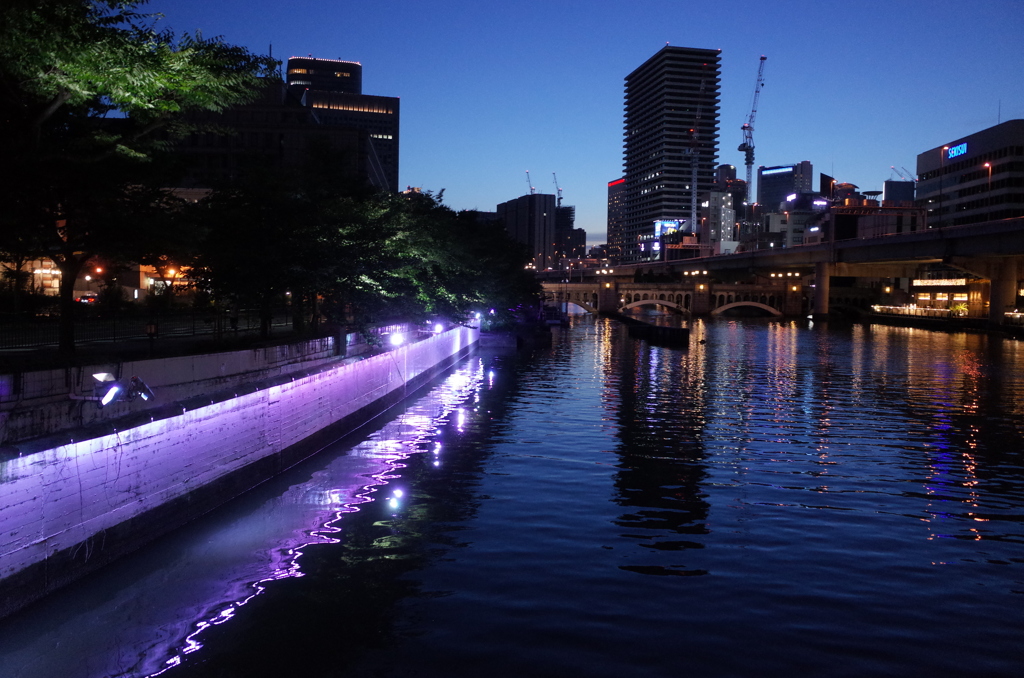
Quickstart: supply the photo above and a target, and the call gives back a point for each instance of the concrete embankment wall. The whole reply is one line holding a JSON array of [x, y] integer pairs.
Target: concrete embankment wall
[[68, 509], [40, 403]]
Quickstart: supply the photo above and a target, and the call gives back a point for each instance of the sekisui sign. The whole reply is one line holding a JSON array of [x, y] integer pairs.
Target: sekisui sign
[[956, 151]]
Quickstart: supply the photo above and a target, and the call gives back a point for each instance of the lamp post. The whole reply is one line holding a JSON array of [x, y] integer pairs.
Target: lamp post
[[942, 167], [988, 193]]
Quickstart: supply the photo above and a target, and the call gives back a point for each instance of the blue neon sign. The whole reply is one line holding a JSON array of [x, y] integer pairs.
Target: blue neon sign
[[956, 151]]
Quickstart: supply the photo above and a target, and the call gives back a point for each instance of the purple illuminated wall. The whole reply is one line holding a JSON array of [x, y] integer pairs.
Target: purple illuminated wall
[[68, 500]]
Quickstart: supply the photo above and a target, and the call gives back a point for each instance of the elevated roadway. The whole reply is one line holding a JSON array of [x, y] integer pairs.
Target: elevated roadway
[[992, 251]]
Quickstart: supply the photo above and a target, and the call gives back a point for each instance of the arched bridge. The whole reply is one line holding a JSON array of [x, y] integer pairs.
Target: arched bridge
[[691, 297]]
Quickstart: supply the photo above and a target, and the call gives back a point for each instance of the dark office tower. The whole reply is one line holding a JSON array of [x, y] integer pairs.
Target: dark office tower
[[565, 220], [774, 184], [897, 192], [826, 185], [333, 91], [725, 174], [328, 75], [616, 219], [530, 219], [975, 178], [671, 121]]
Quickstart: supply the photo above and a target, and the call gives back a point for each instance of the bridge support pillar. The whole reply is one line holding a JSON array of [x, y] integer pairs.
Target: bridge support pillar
[[822, 281], [607, 297], [1003, 291]]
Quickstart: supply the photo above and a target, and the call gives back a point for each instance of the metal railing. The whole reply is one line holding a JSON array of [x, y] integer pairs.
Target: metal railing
[[45, 332]]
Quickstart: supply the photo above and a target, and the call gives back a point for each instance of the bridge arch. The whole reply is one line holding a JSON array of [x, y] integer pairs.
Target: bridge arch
[[584, 305], [671, 305], [748, 304]]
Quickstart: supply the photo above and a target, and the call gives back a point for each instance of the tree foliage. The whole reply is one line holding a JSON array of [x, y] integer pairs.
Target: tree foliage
[[90, 90], [354, 256]]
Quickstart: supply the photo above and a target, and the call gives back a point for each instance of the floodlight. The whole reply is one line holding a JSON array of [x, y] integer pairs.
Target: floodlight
[[396, 339], [137, 387], [111, 395]]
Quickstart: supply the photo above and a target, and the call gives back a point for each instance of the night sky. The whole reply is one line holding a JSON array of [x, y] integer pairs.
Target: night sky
[[492, 89]]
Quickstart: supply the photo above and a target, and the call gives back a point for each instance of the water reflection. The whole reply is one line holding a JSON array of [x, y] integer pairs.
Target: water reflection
[[781, 499], [656, 395]]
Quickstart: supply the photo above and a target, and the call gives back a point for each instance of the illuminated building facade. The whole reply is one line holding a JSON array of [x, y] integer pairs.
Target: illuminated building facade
[[976, 178], [671, 122], [327, 75], [616, 219], [333, 91], [718, 233]]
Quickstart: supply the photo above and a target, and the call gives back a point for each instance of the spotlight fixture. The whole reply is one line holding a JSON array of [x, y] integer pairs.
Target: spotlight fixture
[[109, 390]]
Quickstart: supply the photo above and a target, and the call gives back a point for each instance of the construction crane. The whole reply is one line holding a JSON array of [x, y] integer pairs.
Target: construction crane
[[748, 127], [529, 183], [559, 190], [694, 147], [905, 174]]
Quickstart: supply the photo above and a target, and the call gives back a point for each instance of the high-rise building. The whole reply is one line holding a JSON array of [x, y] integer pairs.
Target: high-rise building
[[333, 90], [975, 178], [273, 133], [327, 75], [671, 123], [616, 219], [896, 192], [775, 184], [566, 245], [718, 234], [530, 219]]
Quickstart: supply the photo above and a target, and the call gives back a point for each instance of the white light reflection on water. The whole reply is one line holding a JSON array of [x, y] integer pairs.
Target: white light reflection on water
[[147, 614], [408, 433]]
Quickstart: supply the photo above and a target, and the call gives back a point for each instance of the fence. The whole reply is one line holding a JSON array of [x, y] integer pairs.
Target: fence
[[44, 332]]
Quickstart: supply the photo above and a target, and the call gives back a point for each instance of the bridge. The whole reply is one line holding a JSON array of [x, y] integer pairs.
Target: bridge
[[794, 281]]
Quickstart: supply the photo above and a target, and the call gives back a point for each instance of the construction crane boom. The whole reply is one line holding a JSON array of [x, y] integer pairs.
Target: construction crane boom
[[529, 183], [557, 189], [748, 127]]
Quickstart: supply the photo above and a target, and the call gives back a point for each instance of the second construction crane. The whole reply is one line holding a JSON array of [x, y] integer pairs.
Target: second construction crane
[[748, 128]]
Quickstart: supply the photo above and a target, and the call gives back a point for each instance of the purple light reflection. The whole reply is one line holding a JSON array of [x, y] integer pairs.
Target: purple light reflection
[[411, 432]]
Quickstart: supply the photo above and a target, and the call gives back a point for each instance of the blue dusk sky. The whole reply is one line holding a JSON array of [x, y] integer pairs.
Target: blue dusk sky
[[491, 89]]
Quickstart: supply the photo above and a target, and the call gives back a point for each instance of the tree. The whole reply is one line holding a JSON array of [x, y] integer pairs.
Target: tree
[[90, 92]]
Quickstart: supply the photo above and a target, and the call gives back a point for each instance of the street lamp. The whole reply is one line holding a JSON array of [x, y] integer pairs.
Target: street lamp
[[942, 167], [988, 194]]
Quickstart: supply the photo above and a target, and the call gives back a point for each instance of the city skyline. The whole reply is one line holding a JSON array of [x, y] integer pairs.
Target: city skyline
[[489, 92]]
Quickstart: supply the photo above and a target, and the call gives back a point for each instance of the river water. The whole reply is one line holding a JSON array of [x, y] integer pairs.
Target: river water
[[782, 499]]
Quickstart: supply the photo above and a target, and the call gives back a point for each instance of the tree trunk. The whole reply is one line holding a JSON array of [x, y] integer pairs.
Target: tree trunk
[[69, 267], [266, 315], [298, 311]]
